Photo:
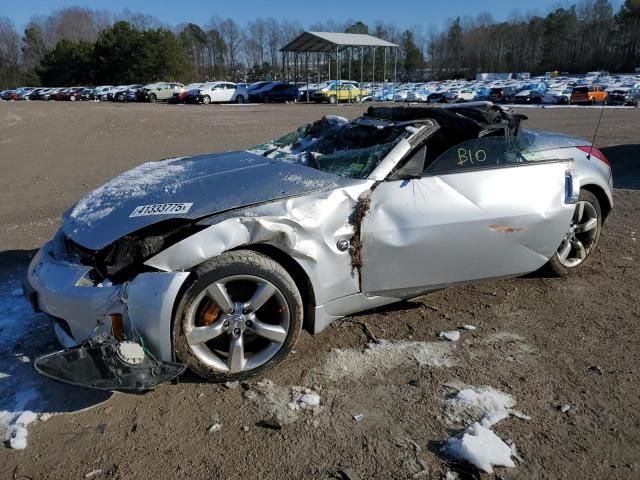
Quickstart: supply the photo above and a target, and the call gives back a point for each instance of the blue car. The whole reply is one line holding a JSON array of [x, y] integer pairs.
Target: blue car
[[274, 92]]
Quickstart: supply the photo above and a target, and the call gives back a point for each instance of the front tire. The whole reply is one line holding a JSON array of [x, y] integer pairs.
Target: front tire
[[206, 99], [240, 317], [239, 99], [153, 98], [582, 238], [333, 99]]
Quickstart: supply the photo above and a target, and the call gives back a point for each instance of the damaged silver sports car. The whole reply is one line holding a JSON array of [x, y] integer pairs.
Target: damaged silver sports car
[[218, 261]]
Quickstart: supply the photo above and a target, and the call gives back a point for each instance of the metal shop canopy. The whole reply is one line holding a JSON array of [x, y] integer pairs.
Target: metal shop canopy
[[327, 44]]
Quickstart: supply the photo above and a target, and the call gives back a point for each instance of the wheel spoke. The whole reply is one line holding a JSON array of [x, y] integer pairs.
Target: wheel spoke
[[236, 358], [563, 251], [275, 333], [586, 226], [577, 245], [218, 293], [577, 216], [198, 335], [263, 293]]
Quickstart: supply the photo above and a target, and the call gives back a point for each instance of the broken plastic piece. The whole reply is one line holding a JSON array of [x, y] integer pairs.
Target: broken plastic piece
[[106, 364]]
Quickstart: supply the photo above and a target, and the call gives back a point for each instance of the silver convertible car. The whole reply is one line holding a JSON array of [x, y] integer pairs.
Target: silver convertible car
[[218, 261]]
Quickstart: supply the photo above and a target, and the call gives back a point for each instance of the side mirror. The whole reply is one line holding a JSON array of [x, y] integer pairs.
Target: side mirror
[[414, 167]]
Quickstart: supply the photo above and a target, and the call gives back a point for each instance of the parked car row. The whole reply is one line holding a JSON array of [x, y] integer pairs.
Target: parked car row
[[618, 90], [172, 92]]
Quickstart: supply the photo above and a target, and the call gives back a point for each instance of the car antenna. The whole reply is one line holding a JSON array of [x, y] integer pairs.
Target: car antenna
[[593, 142]]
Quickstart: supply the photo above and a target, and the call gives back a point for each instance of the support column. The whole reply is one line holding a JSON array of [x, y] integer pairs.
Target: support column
[[373, 70]]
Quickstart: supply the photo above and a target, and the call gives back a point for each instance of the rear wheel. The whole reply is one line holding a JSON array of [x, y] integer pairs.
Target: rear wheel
[[241, 316], [239, 99], [357, 99], [581, 239], [333, 99]]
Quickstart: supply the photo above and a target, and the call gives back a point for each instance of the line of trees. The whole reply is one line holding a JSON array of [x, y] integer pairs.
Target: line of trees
[[82, 46]]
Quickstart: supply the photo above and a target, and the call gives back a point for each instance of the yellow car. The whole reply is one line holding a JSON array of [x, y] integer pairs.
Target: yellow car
[[345, 92]]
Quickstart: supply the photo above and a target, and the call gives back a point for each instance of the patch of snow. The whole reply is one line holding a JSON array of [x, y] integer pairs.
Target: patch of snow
[[468, 327], [484, 407], [336, 119], [25, 395], [283, 405], [310, 400], [484, 403], [134, 183], [479, 446], [352, 363], [216, 427], [450, 335]]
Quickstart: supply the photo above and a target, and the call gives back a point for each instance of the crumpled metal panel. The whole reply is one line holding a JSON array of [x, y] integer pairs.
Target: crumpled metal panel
[[307, 228], [441, 230]]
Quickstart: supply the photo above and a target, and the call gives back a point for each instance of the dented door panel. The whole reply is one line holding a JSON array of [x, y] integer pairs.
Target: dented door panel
[[436, 231]]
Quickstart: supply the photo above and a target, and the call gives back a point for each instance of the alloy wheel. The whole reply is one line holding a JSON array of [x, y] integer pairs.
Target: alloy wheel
[[237, 323], [582, 234]]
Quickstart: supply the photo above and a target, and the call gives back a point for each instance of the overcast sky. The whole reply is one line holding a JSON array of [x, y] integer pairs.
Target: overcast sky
[[404, 13]]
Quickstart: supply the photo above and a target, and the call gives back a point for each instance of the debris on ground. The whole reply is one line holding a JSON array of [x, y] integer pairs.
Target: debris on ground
[[359, 417], [348, 474], [468, 327], [232, 385], [564, 408], [282, 405], [93, 473], [450, 335], [384, 356], [596, 368]]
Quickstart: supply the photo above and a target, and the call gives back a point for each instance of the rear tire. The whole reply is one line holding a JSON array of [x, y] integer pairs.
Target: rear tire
[[239, 99], [234, 332], [333, 99], [581, 240]]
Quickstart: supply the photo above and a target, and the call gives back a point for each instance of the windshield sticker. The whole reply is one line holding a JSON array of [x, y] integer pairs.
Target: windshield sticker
[[161, 209]]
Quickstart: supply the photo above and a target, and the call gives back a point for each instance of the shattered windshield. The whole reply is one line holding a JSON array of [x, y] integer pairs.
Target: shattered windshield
[[335, 145]]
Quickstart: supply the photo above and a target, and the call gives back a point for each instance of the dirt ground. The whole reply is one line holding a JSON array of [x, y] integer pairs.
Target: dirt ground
[[545, 341]]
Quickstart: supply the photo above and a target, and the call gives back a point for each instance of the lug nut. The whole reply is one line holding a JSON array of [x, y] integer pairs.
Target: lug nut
[[226, 323], [248, 323], [236, 331], [232, 311]]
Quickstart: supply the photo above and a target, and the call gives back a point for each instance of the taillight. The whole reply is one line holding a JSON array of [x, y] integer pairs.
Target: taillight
[[594, 152]]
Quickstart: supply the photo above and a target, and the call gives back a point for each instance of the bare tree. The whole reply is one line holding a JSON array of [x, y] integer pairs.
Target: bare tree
[[9, 53], [232, 36]]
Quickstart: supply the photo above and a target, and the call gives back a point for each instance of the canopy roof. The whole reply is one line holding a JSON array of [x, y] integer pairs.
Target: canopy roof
[[328, 41]]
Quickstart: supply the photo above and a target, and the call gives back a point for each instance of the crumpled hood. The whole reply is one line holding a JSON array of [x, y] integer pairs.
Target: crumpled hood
[[190, 187]]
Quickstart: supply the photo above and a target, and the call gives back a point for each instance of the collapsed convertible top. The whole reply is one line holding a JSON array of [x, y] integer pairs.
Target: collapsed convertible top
[[471, 117]]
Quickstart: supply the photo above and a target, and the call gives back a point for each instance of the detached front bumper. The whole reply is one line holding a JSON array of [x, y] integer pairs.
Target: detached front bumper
[[81, 308]]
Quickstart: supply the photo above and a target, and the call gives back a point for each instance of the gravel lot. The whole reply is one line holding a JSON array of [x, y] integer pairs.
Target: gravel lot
[[546, 342]]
